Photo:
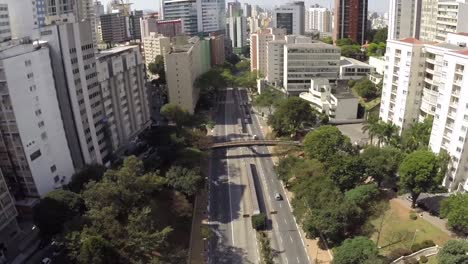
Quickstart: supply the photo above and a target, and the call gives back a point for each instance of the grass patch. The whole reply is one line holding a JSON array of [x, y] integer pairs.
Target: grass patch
[[398, 229], [432, 260]]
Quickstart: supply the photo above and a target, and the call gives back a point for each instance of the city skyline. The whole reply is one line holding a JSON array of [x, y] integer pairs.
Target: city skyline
[[374, 5]]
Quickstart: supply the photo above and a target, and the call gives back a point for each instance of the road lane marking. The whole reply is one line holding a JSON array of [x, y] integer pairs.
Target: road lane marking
[[290, 238], [284, 219], [280, 205], [229, 188], [298, 260]]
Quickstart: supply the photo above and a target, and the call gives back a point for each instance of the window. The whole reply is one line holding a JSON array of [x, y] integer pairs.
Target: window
[[36, 154], [53, 168], [44, 135], [38, 112], [40, 124], [30, 75], [27, 63]]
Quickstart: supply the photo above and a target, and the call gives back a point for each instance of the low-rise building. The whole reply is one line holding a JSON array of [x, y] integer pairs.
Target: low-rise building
[[352, 69], [122, 80], [338, 102]]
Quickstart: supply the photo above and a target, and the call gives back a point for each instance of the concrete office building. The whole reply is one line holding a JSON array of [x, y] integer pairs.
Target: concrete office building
[[237, 32], [258, 47], [98, 12], [186, 10], [134, 25], [36, 158], [306, 61], [290, 17], [338, 103], [155, 45], [403, 82], [148, 24], [234, 9], [352, 69], [217, 49], [79, 95], [122, 80], [183, 65], [452, 17], [247, 10], [170, 28], [378, 63], [23, 17], [211, 15], [319, 18], [114, 28], [351, 20], [404, 19]]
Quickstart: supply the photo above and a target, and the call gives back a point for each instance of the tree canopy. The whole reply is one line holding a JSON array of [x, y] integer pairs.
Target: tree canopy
[[455, 209], [269, 98], [324, 142], [366, 89], [290, 116], [418, 173], [157, 68], [356, 250], [382, 163], [188, 181], [453, 252], [347, 171], [417, 135], [92, 172], [175, 113]]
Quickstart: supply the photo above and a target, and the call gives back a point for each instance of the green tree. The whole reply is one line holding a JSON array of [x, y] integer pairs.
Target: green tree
[[188, 181], [350, 50], [284, 167], [176, 114], [246, 51], [327, 40], [376, 49], [363, 196], [268, 98], [380, 35], [95, 249], [345, 42], [418, 173], [365, 89], [55, 209], [455, 209], [243, 65], [346, 171], [290, 116], [371, 126], [355, 250], [92, 172], [324, 142], [157, 68], [382, 163], [453, 252], [417, 135], [259, 221]]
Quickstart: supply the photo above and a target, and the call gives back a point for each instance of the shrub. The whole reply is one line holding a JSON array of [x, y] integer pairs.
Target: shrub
[[413, 216], [398, 252], [411, 261], [423, 259], [259, 221], [424, 244]]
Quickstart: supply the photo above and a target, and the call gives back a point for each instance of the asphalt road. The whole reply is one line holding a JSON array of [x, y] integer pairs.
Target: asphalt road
[[230, 199]]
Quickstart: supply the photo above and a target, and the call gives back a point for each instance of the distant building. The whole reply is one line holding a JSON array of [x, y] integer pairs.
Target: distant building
[[338, 103], [247, 10], [170, 28], [351, 69], [5, 29], [404, 19], [319, 18], [211, 15], [155, 45], [114, 28], [121, 77], [237, 32], [234, 9], [134, 25], [258, 47], [148, 24], [290, 17], [186, 10], [217, 49], [351, 20], [452, 17]]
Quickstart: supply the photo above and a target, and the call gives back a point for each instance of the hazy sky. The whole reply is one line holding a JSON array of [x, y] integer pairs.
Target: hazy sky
[[374, 5]]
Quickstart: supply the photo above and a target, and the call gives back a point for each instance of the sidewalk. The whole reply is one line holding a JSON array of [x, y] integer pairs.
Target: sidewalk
[[316, 254], [197, 243]]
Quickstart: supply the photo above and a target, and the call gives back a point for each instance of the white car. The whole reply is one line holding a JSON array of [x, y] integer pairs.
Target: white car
[[255, 137], [46, 261]]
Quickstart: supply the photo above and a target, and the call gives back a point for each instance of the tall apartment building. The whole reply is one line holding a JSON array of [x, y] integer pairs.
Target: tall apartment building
[[79, 95], [5, 29], [452, 17], [114, 28], [290, 17], [237, 31], [428, 20], [134, 25], [148, 24], [155, 45], [350, 20], [247, 10], [211, 15], [23, 17], [403, 82], [186, 10], [8, 213], [318, 18], [258, 47], [36, 158], [98, 12], [234, 9], [183, 65], [305, 61], [122, 80], [404, 19]]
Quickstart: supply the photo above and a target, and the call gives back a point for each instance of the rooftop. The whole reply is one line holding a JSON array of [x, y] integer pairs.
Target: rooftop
[[344, 61], [411, 41], [116, 50], [311, 45]]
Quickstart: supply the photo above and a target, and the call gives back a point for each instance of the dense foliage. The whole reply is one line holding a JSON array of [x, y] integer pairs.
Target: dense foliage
[[455, 209], [453, 252], [291, 115], [356, 250]]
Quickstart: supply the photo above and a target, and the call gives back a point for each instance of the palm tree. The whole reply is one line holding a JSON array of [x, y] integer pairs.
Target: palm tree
[[390, 134], [370, 126]]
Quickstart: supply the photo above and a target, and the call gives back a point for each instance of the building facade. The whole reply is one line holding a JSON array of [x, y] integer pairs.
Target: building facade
[[155, 45], [5, 29], [122, 81], [350, 20], [186, 10], [217, 49], [404, 19], [211, 15], [237, 32], [352, 69], [319, 18], [258, 47], [306, 61], [428, 20], [114, 28], [452, 17], [290, 17]]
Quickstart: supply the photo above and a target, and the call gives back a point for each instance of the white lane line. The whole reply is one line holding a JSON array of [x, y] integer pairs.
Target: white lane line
[[290, 238], [229, 188], [280, 205], [281, 240], [284, 219], [298, 260], [287, 260]]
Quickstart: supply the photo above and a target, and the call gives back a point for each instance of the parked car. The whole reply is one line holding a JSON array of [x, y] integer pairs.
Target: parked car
[[278, 197]]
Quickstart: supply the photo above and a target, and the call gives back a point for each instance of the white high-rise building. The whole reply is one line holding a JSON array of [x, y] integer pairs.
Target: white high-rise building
[[121, 78], [23, 18], [319, 18], [305, 61], [34, 147], [258, 47], [211, 15], [452, 17], [404, 19], [290, 17], [237, 31], [154, 45], [428, 20]]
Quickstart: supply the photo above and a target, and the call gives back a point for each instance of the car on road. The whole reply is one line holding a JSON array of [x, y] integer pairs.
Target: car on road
[[46, 261], [255, 137], [278, 197]]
